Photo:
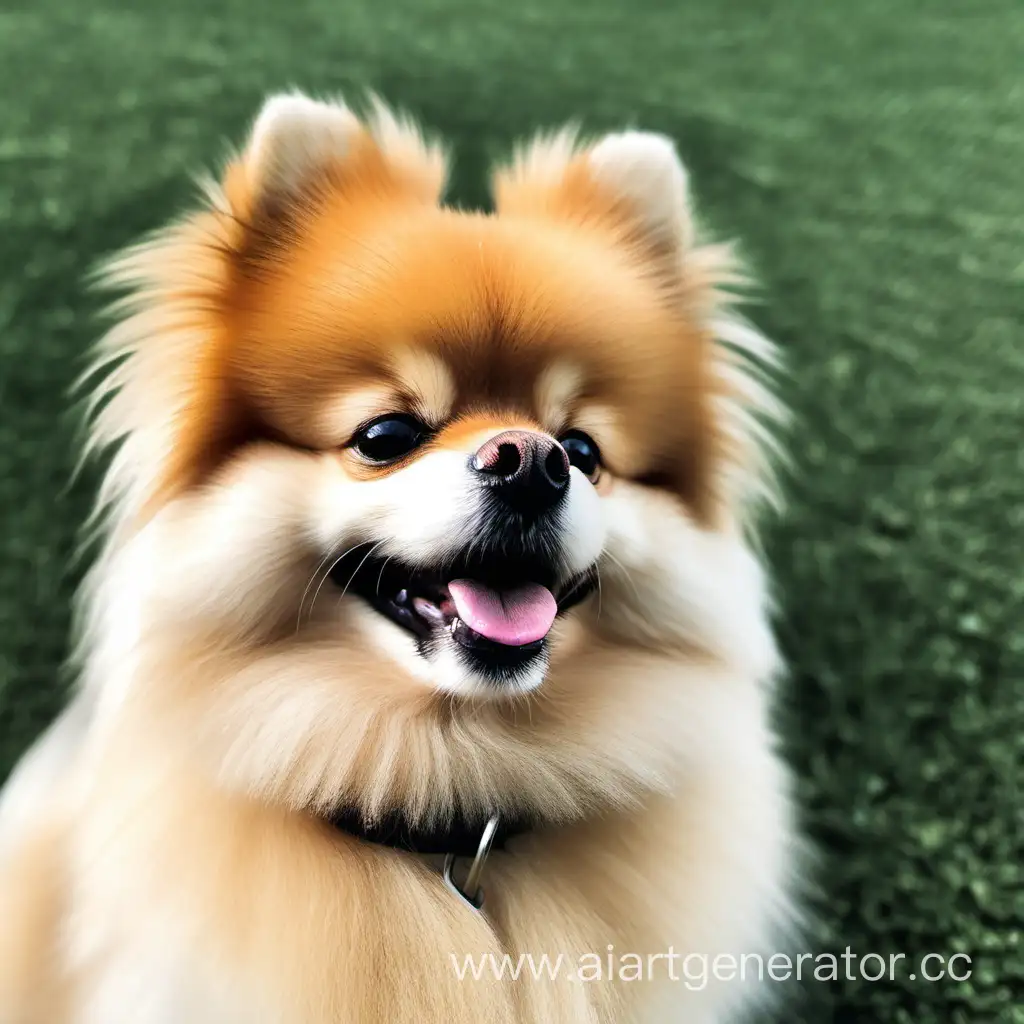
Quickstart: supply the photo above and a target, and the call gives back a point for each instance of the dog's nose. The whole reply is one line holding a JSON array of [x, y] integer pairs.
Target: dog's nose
[[527, 469]]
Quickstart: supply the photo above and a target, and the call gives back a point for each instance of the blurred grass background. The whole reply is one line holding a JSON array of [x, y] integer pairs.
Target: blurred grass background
[[871, 158]]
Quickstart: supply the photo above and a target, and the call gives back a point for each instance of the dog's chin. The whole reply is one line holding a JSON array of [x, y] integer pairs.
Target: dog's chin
[[475, 626]]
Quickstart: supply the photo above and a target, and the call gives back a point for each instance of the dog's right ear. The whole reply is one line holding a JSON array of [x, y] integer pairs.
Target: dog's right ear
[[301, 150]]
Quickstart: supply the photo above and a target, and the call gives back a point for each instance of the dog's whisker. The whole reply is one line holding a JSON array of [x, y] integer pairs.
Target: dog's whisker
[[625, 573], [381, 574], [312, 580], [355, 572], [327, 574]]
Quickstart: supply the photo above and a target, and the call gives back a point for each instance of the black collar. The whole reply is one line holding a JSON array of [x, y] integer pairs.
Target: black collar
[[459, 836]]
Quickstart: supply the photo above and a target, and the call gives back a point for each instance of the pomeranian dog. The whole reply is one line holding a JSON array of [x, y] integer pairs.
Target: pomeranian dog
[[427, 535]]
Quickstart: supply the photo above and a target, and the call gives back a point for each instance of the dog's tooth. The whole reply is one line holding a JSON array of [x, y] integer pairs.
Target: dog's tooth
[[402, 597], [428, 610]]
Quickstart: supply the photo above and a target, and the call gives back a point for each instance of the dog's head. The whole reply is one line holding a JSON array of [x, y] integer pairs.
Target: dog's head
[[370, 444]]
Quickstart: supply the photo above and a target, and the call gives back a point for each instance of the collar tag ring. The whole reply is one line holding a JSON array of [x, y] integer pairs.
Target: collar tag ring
[[471, 891]]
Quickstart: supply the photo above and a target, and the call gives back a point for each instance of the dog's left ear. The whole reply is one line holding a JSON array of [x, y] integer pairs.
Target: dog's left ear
[[631, 181]]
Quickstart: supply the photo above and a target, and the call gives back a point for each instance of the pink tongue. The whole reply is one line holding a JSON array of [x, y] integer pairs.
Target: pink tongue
[[514, 617]]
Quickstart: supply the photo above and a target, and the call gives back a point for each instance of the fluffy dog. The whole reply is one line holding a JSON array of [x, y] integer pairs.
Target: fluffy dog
[[415, 518]]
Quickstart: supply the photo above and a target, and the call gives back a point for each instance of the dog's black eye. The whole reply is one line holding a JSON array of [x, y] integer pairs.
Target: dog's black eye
[[583, 452], [389, 437]]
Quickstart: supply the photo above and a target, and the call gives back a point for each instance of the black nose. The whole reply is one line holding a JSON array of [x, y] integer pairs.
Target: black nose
[[528, 470]]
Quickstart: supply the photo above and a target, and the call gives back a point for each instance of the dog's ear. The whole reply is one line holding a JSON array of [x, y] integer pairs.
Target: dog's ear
[[633, 181], [294, 141], [301, 149], [645, 171]]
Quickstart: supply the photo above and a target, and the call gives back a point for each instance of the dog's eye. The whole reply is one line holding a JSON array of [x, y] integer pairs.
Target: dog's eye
[[389, 437], [583, 452]]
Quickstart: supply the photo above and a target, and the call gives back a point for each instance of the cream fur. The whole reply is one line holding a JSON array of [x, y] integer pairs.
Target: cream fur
[[161, 854]]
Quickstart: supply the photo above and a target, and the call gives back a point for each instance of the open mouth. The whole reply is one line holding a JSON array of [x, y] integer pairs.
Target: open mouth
[[498, 614]]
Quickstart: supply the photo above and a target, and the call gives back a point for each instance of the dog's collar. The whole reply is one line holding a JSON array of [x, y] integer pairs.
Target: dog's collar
[[458, 837]]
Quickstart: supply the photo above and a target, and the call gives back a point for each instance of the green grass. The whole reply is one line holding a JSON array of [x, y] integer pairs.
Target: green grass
[[871, 157]]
